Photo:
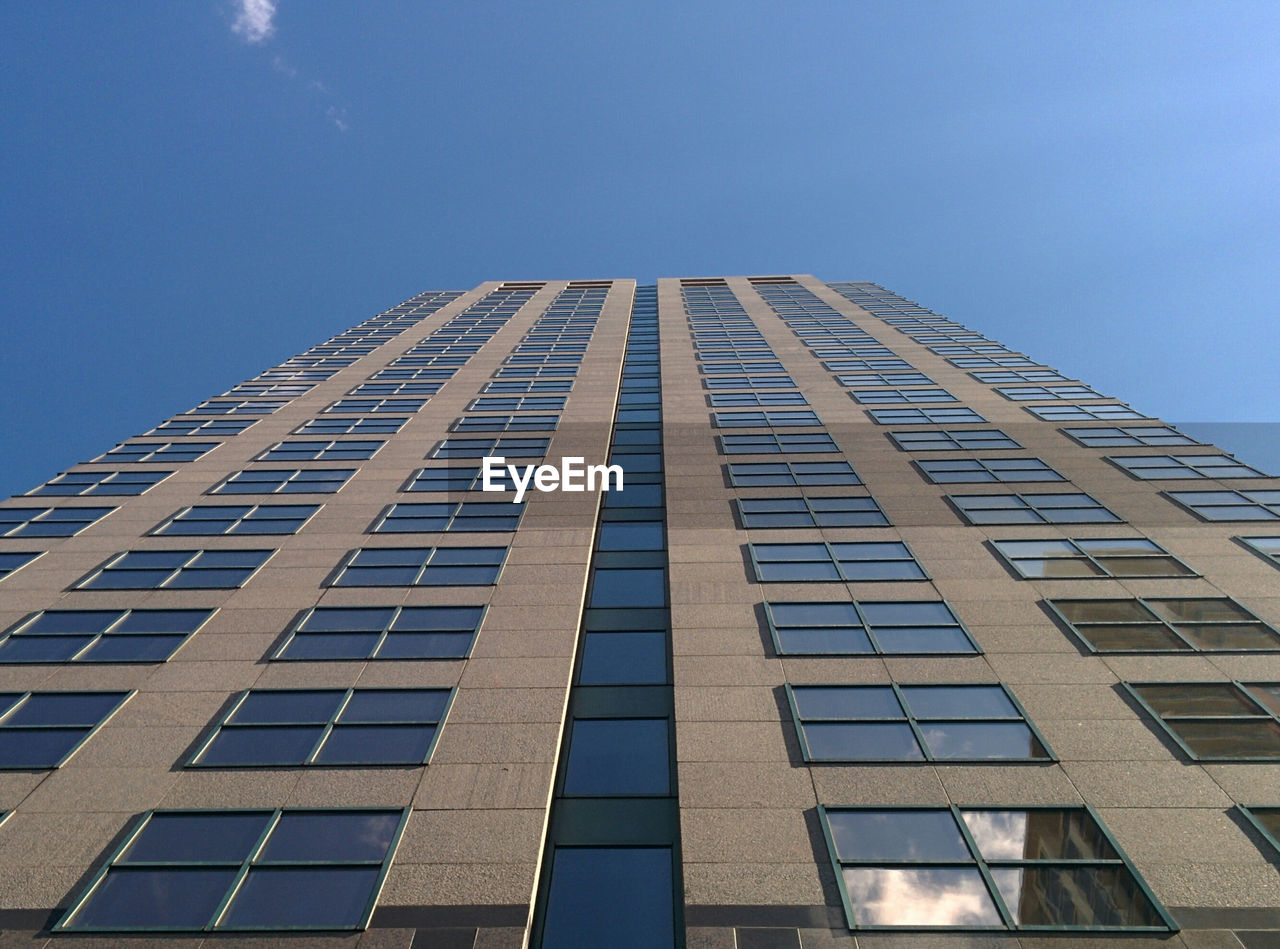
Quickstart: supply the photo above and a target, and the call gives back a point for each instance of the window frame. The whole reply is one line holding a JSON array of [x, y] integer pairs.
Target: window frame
[[249, 516], [865, 505], [956, 444], [124, 695], [1026, 505], [237, 699], [1247, 812], [1186, 472], [459, 511], [97, 480], [834, 561], [983, 867], [51, 515], [1242, 500], [1241, 687], [1051, 603], [868, 628], [1082, 554], [913, 721], [1247, 542], [31, 555], [793, 478], [984, 466], [19, 628], [193, 556], [918, 416], [66, 923], [277, 653], [347, 561], [1082, 435]]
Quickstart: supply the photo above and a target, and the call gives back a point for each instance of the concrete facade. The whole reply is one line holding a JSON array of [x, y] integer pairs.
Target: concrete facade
[[754, 861]]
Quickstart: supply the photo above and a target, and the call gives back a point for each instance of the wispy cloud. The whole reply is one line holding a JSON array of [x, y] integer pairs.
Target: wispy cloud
[[338, 116], [253, 20], [254, 23]]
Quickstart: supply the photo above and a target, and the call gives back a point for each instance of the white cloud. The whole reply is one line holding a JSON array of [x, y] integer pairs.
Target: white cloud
[[283, 66], [338, 117], [253, 22]]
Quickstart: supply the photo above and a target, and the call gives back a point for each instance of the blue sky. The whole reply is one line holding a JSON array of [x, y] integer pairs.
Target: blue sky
[[191, 196]]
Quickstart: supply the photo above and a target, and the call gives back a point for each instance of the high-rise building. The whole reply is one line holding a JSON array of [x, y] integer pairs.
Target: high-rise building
[[891, 636]]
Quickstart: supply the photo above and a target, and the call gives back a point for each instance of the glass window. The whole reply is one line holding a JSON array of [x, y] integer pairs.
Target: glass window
[[741, 366], [985, 868], [48, 521], [774, 443], [225, 870], [88, 483], [621, 897], [375, 425], [1039, 393], [854, 379], [1157, 467], [1080, 413], [238, 519], [782, 419], [625, 757], [992, 362], [100, 635], [810, 512], [628, 587], [284, 481], [1129, 436], [449, 516], [320, 451], [862, 561], [509, 447], [533, 372], [326, 727], [899, 627], [203, 427], [455, 478], [420, 387], [1266, 547], [923, 416], [953, 440], [749, 382], [986, 349], [532, 385], [383, 632], [890, 396], [1062, 559], [174, 452], [1031, 509], [176, 570], [420, 566], [41, 730], [1166, 624], [1230, 505], [1267, 822], [1016, 375], [743, 399], [14, 560], [283, 390], [987, 470], [746, 474], [912, 723], [239, 407], [1216, 721], [517, 403], [505, 423], [372, 406]]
